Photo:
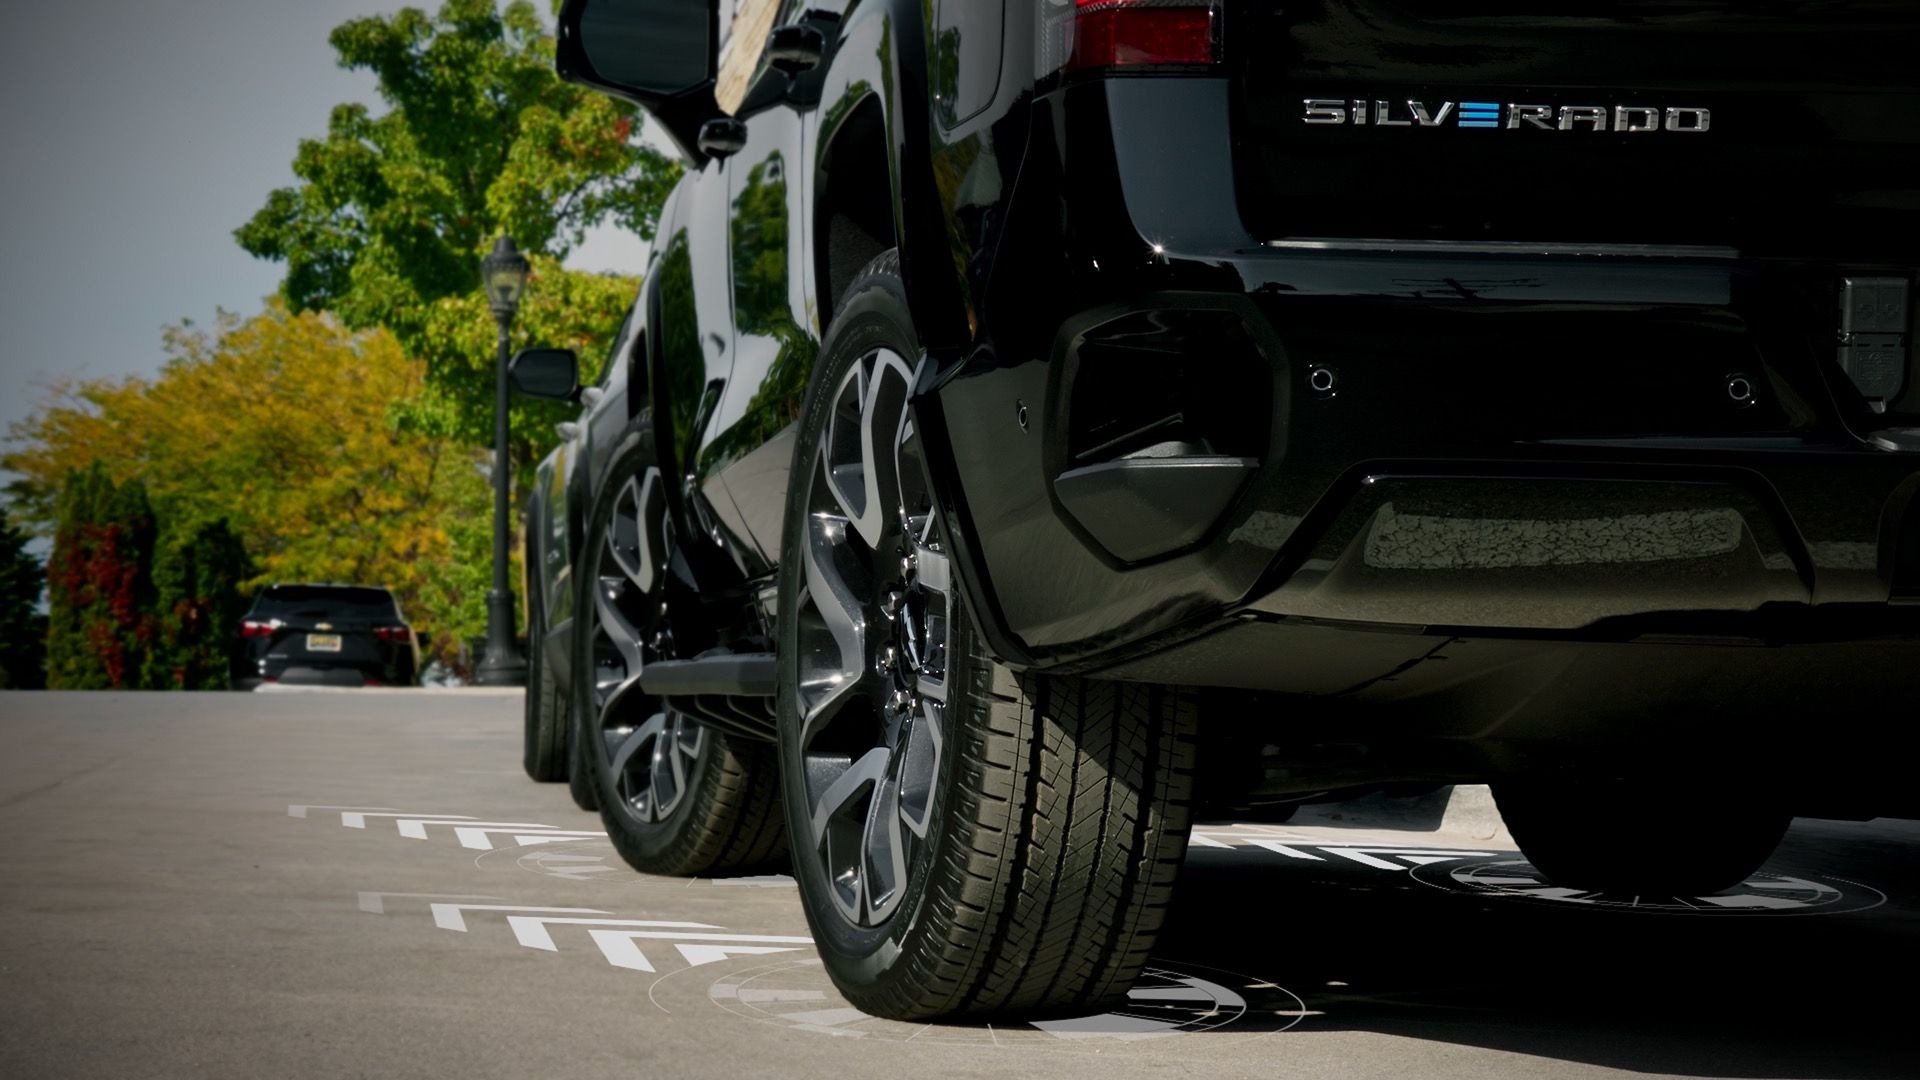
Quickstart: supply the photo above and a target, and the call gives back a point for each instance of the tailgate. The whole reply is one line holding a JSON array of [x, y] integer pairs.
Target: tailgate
[[1789, 128]]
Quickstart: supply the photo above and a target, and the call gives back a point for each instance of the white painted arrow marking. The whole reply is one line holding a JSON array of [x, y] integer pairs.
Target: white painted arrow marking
[[1279, 848], [476, 838], [357, 819], [619, 939], [1771, 903], [697, 955], [1421, 856], [415, 828], [531, 930], [374, 903], [449, 917]]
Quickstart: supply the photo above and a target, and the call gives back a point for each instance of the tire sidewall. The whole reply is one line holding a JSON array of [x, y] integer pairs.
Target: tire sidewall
[[874, 316], [640, 843]]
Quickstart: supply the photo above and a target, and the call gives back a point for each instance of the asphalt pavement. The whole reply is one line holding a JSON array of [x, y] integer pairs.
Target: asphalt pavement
[[345, 885]]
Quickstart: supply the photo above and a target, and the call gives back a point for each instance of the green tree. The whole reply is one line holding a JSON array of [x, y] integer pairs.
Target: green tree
[[23, 629], [280, 425], [393, 212], [198, 577]]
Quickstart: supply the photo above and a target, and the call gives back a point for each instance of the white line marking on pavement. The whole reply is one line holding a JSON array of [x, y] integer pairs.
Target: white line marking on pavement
[[449, 917], [1365, 855], [1279, 848], [699, 955], [531, 930], [415, 827], [358, 819], [477, 838]]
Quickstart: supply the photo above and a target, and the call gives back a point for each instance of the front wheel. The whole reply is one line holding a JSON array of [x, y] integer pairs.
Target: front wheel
[[967, 840]]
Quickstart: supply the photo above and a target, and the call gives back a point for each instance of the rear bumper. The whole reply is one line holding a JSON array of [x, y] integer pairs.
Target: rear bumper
[[1176, 428]]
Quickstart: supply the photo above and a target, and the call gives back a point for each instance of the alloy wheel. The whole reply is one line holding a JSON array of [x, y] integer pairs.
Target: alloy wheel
[[648, 752], [872, 645]]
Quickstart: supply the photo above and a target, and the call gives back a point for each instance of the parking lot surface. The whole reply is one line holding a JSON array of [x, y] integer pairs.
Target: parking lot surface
[[366, 885]]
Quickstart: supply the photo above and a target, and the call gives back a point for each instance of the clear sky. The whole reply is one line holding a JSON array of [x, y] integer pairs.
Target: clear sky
[[135, 136]]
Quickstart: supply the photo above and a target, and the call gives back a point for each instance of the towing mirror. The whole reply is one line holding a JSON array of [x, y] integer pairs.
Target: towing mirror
[[546, 373], [647, 51]]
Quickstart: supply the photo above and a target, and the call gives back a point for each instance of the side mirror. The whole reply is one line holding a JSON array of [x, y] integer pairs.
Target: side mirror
[[546, 373], [425, 640], [658, 54]]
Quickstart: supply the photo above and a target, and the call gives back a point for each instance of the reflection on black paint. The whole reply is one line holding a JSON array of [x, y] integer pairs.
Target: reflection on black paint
[[761, 309], [680, 338]]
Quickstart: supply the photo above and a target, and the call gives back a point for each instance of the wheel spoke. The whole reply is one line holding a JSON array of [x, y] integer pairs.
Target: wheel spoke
[[665, 777], [637, 738], [614, 625], [824, 681], [869, 770], [884, 849], [920, 768]]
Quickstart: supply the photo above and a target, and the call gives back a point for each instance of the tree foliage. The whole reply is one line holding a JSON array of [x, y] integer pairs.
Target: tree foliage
[[393, 212], [100, 584], [280, 425], [199, 579], [23, 630]]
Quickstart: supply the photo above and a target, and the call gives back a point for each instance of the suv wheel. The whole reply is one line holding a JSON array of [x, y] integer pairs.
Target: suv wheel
[[1644, 838], [676, 797], [966, 840]]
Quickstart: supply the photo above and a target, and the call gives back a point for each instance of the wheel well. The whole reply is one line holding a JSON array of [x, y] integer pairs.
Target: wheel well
[[854, 215]]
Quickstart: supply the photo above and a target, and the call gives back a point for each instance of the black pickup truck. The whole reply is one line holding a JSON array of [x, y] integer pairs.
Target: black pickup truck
[[1042, 417]]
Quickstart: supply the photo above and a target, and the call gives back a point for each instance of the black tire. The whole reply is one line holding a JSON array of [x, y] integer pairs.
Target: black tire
[[544, 755], [700, 802], [579, 774], [1645, 839], [1052, 813]]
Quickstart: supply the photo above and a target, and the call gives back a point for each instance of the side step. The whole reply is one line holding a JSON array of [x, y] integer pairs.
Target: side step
[[731, 673]]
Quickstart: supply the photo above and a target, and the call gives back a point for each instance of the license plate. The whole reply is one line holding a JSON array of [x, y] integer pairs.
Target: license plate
[[323, 642]]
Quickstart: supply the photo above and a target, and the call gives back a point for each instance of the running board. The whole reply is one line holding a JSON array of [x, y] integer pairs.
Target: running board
[[733, 674]]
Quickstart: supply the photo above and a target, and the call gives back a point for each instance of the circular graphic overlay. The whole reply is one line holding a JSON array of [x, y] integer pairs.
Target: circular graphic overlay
[[1513, 878], [1170, 999]]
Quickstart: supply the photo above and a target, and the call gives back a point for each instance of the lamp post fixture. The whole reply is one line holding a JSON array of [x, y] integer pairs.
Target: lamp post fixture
[[504, 274]]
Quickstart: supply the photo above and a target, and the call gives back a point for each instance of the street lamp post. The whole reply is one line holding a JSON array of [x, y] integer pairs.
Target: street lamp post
[[504, 273]]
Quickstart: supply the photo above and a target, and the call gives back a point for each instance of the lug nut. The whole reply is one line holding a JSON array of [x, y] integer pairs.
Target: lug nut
[[891, 603], [1739, 389], [886, 661], [1321, 380]]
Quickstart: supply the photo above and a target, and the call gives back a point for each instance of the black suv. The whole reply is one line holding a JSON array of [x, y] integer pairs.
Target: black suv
[[1042, 415], [324, 635]]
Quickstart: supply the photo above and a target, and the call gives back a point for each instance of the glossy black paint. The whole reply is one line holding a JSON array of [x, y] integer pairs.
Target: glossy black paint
[[1575, 390]]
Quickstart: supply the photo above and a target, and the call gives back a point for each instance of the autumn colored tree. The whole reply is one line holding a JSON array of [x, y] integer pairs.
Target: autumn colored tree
[[198, 578], [23, 629], [100, 580], [281, 425], [394, 211]]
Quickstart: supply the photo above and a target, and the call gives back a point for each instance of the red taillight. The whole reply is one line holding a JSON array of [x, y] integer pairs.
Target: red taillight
[[1119, 33], [393, 635], [253, 628]]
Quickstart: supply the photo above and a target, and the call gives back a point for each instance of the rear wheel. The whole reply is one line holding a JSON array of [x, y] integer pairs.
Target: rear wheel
[[966, 840], [676, 796], [1648, 839]]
